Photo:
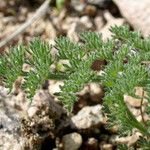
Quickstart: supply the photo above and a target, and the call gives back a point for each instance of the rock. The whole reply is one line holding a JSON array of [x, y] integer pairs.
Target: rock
[[106, 146], [136, 13], [72, 141], [100, 3], [111, 21], [75, 26], [136, 105], [50, 31], [77, 5], [139, 92], [23, 125], [10, 123], [40, 121], [92, 91], [3, 91], [88, 117], [132, 101], [92, 144], [136, 102], [54, 86], [87, 22], [89, 7], [26, 68], [17, 85], [90, 10], [96, 92], [43, 104], [129, 140], [99, 22], [23, 14]]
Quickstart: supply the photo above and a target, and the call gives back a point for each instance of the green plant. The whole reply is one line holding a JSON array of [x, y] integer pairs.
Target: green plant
[[60, 4], [127, 56]]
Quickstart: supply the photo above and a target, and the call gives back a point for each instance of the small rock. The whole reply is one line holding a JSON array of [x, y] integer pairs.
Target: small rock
[[23, 14], [114, 129], [92, 91], [88, 116], [132, 101], [100, 3], [90, 10], [10, 122], [96, 92], [39, 30], [50, 31], [26, 68], [17, 85], [136, 13], [3, 91], [129, 140], [32, 111], [87, 22], [111, 21], [99, 22], [106, 147], [139, 92], [54, 86], [77, 5], [78, 26], [72, 141], [136, 102], [43, 102], [92, 144]]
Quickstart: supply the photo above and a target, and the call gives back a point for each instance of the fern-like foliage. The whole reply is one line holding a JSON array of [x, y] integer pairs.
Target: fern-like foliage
[[127, 55], [11, 65], [40, 61], [145, 144], [67, 50], [73, 84], [134, 38]]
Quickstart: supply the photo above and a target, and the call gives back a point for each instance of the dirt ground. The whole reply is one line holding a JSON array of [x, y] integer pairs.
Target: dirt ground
[[82, 130]]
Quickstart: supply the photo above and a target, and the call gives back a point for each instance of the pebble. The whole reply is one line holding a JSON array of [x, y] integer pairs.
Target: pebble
[[96, 92], [72, 141], [88, 116], [106, 147], [90, 10], [100, 3], [92, 144], [136, 13]]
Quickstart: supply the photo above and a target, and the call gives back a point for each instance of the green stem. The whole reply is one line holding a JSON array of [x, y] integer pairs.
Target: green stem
[[136, 123], [58, 76]]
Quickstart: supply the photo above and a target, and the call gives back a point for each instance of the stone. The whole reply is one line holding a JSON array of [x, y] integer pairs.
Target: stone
[[72, 141], [76, 26], [129, 140], [111, 21], [136, 13], [96, 92], [106, 146], [92, 144], [100, 3], [10, 123], [88, 117], [77, 5], [99, 22]]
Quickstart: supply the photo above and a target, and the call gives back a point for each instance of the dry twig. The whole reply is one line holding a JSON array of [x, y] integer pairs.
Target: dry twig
[[39, 13]]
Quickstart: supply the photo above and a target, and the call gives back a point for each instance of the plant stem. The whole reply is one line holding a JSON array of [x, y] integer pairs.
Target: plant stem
[[142, 114]]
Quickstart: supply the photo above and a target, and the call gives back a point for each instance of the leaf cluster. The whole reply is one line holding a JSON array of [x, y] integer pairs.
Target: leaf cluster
[[127, 55]]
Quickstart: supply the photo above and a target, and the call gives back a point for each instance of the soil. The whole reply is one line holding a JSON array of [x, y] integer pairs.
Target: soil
[[79, 130]]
